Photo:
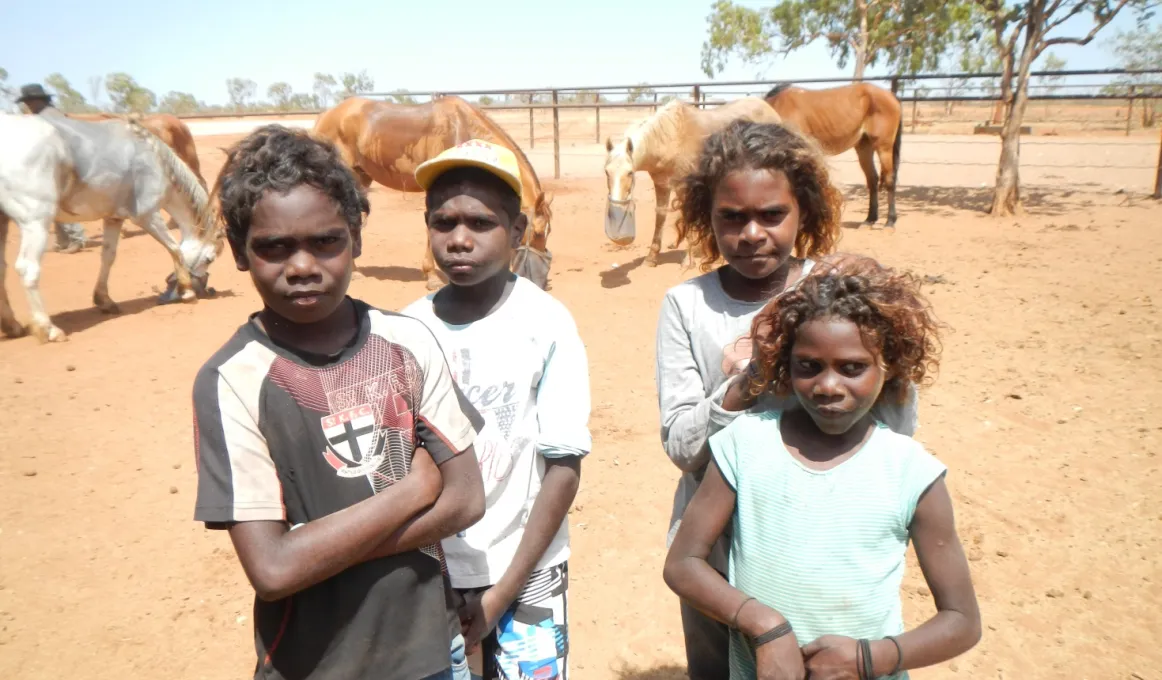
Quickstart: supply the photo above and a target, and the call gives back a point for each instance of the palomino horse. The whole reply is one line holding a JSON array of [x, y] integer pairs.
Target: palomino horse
[[860, 115], [71, 170], [384, 142], [666, 146]]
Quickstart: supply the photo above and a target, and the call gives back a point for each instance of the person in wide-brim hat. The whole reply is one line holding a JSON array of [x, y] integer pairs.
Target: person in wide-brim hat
[[33, 92]]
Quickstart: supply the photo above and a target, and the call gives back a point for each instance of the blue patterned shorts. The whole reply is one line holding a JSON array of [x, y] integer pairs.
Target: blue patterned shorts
[[531, 640]]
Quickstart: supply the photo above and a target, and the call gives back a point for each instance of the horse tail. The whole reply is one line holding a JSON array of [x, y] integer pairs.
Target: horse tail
[[183, 179], [896, 149]]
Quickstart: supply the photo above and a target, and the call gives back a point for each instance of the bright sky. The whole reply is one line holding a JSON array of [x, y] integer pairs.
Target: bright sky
[[419, 45]]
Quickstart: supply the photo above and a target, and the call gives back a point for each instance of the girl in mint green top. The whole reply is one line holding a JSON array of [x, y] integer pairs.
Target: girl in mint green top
[[823, 498]]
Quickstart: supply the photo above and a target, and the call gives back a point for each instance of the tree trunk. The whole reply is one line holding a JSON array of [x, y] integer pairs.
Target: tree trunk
[[1007, 195], [861, 46]]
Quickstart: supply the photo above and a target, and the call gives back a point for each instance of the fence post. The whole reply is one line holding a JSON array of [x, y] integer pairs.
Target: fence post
[[655, 102], [1130, 112], [532, 134], [697, 95], [556, 138], [1158, 177], [597, 110], [896, 86]]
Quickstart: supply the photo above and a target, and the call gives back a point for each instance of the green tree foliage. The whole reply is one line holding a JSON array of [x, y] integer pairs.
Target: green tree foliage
[[906, 35], [1051, 62], [67, 98], [302, 101], [640, 93], [280, 95], [400, 96], [241, 92], [355, 84], [485, 100], [1136, 50], [324, 89], [179, 104], [127, 95], [1021, 32]]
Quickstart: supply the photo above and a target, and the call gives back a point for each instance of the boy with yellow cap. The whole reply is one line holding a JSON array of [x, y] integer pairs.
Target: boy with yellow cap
[[515, 353]]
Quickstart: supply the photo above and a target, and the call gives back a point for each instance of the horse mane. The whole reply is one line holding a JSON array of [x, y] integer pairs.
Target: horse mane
[[656, 130], [539, 203], [777, 90], [183, 179]]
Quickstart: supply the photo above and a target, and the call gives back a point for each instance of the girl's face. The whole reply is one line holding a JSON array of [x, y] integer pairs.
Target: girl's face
[[755, 220], [836, 378]]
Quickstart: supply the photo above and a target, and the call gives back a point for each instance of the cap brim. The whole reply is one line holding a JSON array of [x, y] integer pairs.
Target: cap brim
[[428, 171]]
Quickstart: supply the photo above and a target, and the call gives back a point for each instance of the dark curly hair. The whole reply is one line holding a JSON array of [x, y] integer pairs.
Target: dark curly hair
[[896, 322], [277, 158], [768, 146]]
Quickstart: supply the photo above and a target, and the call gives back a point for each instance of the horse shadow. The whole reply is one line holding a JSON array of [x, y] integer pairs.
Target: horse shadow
[[940, 201], [392, 273], [619, 276], [78, 320], [663, 672]]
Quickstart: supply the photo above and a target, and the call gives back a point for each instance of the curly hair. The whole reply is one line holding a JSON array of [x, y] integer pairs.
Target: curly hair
[[745, 144], [896, 323], [277, 158]]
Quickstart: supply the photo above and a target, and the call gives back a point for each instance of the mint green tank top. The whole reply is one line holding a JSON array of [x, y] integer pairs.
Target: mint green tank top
[[823, 548]]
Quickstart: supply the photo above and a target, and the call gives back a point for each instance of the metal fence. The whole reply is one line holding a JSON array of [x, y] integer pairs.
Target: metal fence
[[1107, 100]]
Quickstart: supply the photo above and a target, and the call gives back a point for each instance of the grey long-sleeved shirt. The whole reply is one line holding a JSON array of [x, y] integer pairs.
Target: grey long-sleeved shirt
[[702, 343]]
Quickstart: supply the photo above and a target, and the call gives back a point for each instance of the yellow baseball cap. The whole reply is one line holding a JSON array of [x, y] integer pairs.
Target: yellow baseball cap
[[475, 153]]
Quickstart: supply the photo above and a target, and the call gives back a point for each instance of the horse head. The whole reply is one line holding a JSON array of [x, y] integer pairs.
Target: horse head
[[619, 178]]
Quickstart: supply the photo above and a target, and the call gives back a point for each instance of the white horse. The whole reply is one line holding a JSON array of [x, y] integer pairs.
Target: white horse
[[60, 169]]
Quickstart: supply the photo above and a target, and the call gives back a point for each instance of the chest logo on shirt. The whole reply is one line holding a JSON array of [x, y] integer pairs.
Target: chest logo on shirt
[[353, 449]]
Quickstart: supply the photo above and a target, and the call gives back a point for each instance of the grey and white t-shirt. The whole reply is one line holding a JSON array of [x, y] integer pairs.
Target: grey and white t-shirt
[[703, 340]]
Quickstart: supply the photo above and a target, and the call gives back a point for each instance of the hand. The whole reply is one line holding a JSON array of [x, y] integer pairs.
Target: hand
[[832, 657], [780, 659], [479, 616], [425, 475]]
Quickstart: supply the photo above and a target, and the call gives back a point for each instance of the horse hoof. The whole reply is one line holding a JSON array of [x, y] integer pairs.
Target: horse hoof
[[12, 329], [49, 333]]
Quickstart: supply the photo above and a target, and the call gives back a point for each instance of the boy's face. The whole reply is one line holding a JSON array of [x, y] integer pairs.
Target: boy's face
[[472, 235], [299, 252]]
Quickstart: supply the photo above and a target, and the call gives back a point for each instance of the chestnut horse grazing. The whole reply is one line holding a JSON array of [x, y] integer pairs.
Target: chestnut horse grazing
[[384, 142], [666, 146], [859, 115]]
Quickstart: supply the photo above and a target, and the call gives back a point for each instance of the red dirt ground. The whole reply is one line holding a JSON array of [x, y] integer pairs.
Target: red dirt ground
[[1045, 411]]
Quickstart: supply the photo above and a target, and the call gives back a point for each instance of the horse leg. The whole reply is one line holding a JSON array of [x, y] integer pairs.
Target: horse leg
[[661, 211], [33, 241], [112, 236], [888, 173], [8, 324], [866, 152], [156, 227]]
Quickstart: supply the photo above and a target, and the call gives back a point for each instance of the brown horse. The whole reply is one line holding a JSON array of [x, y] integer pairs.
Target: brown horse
[[384, 142], [859, 115], [169, 129], [666, 146]]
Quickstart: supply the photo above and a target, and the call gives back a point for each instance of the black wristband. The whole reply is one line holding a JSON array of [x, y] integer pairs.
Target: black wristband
[[899, 656], [773, 634], [869, 672]]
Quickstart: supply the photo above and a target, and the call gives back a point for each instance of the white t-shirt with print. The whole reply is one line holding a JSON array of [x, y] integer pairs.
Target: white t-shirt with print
[[525, 369]]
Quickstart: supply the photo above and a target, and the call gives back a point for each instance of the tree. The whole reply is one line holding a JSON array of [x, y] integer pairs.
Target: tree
[[302, 102], [179, 103], [1022, 31], [485, 100], [1052, 63], [640, 93], [400, 96], [908, 35], [280, 94], [127, 96], [7, 93], [356, 83], [324, 89], [240, 91], [1137, 50], [68, 99]]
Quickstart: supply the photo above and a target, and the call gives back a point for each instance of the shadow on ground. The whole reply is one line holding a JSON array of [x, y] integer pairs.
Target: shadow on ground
[[666, 672], [944, 201], [614, 278]]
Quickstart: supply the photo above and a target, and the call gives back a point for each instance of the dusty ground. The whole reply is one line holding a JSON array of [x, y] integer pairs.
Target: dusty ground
[[1044, 410]]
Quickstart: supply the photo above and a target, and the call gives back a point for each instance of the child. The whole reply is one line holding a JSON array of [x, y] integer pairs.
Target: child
[[823, 498], [310, 418], [516, 354], [760, 198]]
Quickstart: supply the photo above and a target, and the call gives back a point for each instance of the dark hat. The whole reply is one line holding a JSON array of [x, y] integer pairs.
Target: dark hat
[[34, 91]]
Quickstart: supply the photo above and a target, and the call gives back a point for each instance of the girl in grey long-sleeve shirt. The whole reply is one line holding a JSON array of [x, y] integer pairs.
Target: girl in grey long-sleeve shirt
[[759, 194]]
